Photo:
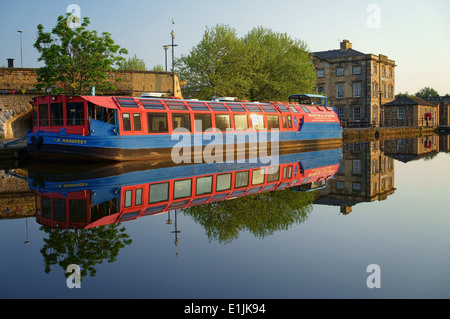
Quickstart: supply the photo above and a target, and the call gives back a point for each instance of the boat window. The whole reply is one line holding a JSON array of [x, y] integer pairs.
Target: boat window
[[273, 121], [223, 122], [258, 176], [202, 122], [126, 121], [56, 114], [137, 122], [35, 119], [77, 210], [59, 209], [223, 182], [284, 172], [43, 114], [305, 109], [138, 197], [128, 196], [284, 122], [176, 105], [181, 120], [273, 174], [290, 121], [158, 193], [204, 185], [257, 121], [75, 113], [252, 107], [46, 207], [157, 122], [290, 172], [241, 179], [182, 188], [240, 122], [100, 113]]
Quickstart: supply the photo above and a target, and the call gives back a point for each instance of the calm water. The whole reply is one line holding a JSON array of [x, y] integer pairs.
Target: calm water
[[387, 205]]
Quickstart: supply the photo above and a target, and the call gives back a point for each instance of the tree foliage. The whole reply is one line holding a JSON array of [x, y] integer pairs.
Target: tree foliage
[[427, 92], [260, 214], [76, 59], [133, 64], [262, 65], [84, 247]]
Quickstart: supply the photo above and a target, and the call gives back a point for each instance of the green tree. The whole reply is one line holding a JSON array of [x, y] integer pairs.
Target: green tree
[[215, 67], [279, 65], [427, 92], [133, 64], [263, 65], [158, 68], [76, 59]]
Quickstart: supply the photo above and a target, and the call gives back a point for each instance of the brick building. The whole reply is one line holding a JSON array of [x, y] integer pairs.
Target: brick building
[[357, 84]]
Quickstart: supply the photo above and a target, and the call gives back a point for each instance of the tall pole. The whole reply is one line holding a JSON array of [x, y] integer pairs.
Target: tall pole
[[173, 58], [165, 47], [21, 56]]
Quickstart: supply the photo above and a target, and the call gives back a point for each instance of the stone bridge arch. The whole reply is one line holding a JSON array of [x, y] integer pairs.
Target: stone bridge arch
[[16, 120]]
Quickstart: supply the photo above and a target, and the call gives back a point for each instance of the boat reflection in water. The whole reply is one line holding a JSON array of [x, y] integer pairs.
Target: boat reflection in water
[[110, 194]]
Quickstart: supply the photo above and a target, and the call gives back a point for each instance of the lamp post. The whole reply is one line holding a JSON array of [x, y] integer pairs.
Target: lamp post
[[21, 56], [165, 47], [173, 58]]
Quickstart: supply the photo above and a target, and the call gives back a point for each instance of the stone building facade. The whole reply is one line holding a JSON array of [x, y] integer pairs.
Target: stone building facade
[[357, 84], [412, 111]]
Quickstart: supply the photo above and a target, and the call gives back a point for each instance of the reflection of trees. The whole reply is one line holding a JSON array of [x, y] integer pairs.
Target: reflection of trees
[[261, 214], [85, 247]]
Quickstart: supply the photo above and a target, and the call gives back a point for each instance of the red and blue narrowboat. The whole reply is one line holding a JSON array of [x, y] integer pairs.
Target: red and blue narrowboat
[[118, 192], [113, 128]]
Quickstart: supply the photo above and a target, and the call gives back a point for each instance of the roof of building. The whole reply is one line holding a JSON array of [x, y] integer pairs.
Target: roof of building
[[331, 54], [409, 100]]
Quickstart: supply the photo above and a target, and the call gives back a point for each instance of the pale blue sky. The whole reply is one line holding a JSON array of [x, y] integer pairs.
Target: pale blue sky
[[413, 33]]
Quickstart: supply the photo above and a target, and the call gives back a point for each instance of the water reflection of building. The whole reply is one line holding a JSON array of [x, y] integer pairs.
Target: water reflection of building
[[409, 149], [366, 174]]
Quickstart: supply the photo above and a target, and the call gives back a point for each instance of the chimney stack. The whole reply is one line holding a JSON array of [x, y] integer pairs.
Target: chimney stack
[[345, 45], [10, 63]]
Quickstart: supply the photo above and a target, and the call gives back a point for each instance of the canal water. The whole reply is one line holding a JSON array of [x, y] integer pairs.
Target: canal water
[[379, 228]]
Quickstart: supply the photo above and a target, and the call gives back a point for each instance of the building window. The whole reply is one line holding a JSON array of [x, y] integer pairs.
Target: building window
[[320, 73], [375, 89], [391, 92], [357, 89], [401, 113], [356, 186], [340, 112], [390, 72], [357, 166], [340, 91], [357, 69], [340, 71], [384, 90], [356, 114], [320, 89], [374, 69], [339, 185]]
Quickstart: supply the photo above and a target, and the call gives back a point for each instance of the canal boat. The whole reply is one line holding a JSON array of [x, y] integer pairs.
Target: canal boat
[[71, 197], [114, 128]]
